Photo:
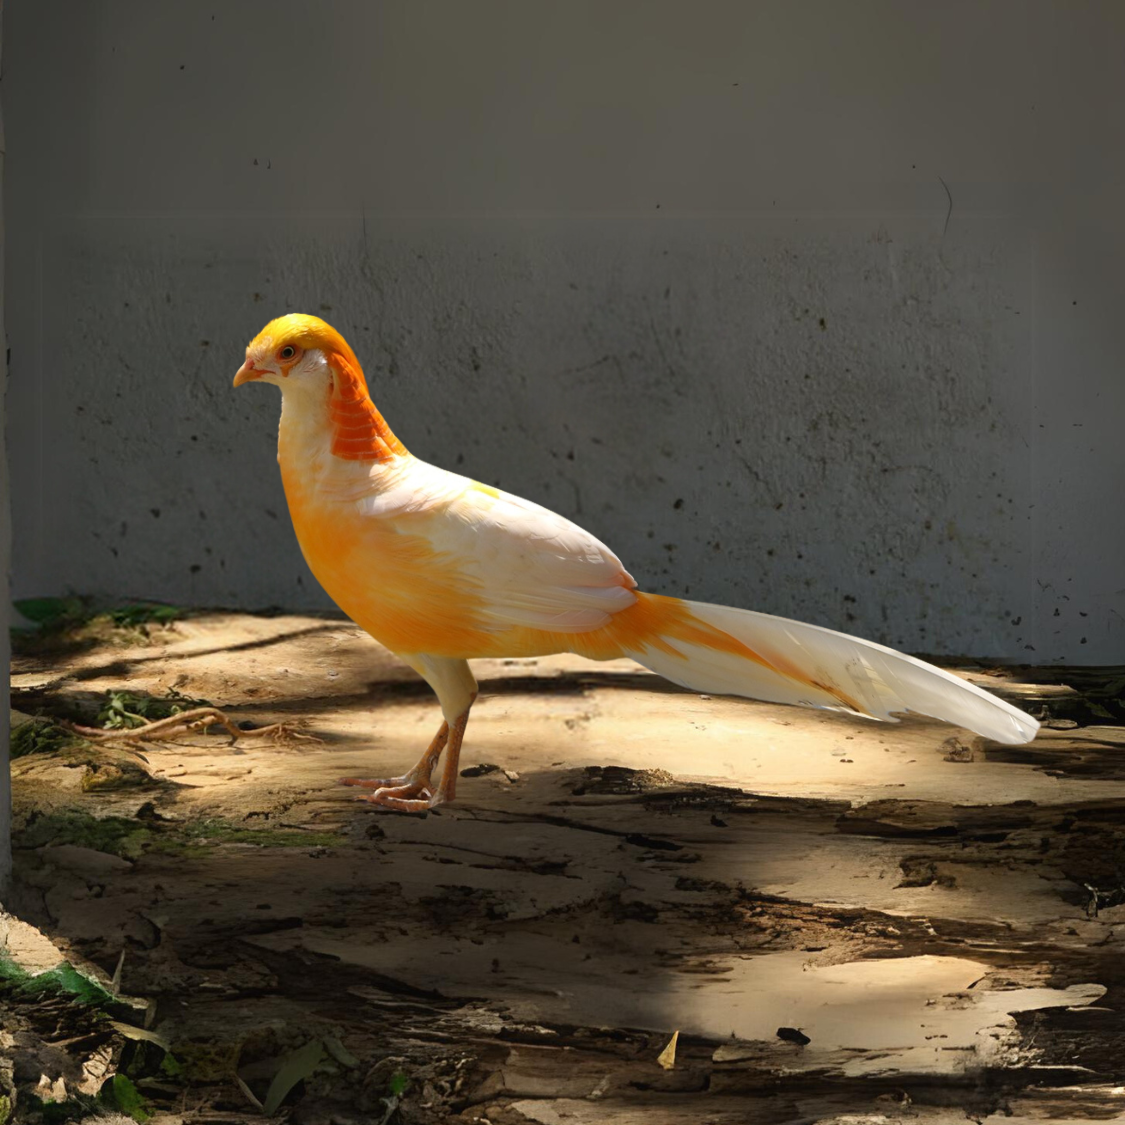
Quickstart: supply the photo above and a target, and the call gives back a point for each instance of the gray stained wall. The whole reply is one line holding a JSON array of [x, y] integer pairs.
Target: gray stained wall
[[5, 560], [814, 308]]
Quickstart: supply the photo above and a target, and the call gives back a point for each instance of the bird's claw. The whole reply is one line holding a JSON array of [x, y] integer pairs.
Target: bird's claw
[[402, 804], [406, 794], [405, 798]]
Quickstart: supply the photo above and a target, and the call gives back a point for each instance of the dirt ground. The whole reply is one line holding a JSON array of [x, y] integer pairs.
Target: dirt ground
[[844, 921]]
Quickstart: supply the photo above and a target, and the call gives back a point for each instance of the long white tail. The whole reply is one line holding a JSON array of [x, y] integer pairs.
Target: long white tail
[[782, 661]]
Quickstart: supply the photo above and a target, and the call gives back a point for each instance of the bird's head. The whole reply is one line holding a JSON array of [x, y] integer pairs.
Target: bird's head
[[311, 362], [298, 350]]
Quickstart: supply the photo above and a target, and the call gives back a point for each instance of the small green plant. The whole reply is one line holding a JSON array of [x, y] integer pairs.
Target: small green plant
[[126, 710], [133, 616], [64, 979], [121, 1093], [170, 1066], [53, 613], [40, 736]]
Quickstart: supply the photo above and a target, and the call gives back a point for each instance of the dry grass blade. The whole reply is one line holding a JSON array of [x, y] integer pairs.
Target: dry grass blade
[[140, 1034], [250, 1096], [115, 983]]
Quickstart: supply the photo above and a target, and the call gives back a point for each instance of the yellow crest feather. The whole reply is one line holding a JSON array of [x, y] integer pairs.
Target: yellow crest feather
[[305, 331]]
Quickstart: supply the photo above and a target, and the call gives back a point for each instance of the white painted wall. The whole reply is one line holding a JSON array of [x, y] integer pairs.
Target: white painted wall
[[687, 273]]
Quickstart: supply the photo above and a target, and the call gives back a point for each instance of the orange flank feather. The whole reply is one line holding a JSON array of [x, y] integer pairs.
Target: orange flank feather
[[442, 569], [388, 578]]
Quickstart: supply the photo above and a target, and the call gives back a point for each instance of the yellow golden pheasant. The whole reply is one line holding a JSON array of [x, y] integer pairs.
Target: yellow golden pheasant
[[441, 569]]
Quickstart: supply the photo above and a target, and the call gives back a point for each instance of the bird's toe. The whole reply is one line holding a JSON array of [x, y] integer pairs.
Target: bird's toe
[[375, 782], [402, 799]]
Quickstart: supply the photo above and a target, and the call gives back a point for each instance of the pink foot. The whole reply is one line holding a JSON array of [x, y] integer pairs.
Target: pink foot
[[406, 794], [406, 798]]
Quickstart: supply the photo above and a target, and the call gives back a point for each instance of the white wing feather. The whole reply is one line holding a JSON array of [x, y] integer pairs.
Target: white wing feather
[[532, 567]]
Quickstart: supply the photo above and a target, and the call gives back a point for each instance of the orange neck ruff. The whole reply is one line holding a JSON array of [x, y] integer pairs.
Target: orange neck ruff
[[359, 431]]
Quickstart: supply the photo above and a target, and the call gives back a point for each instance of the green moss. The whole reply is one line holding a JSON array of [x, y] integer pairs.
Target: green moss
[[113, 834], [130, 839], [122, 774], [206, 832], [5, 1109], [207, 1060]]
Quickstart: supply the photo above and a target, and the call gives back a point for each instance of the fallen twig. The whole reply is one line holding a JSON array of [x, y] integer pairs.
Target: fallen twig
[[186, 722]]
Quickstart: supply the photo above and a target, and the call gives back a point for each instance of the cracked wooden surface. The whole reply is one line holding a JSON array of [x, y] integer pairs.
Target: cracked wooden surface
[[939, 918]]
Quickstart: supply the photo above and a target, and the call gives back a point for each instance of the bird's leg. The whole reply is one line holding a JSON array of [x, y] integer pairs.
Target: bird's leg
[[417, 778], [403, 798], [447, 787], [456, 689]]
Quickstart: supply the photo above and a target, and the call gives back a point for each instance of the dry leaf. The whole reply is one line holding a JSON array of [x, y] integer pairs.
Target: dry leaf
[[140, 1033], [667, 1057], [339, 1052]]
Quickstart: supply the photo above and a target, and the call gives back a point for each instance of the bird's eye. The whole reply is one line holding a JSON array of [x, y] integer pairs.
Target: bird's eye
[[287, 352]]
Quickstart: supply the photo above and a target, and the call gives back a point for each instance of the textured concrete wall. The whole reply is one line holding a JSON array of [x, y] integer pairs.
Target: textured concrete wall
[[809, 307], [5, 559]]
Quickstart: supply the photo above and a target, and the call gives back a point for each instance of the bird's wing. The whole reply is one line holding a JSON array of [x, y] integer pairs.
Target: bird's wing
[[536, 568], [525, 565]]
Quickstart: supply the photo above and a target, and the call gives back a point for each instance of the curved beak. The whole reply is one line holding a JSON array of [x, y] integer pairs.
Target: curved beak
[[247, 373]]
